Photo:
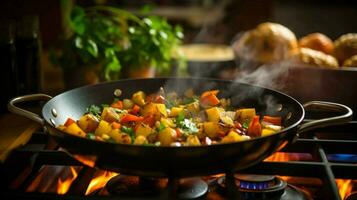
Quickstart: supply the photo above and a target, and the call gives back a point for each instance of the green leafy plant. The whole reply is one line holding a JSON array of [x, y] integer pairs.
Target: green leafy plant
[[112, 38], [152, 42]]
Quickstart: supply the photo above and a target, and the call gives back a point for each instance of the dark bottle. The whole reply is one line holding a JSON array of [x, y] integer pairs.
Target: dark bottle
[[8, 78], [28, 55]]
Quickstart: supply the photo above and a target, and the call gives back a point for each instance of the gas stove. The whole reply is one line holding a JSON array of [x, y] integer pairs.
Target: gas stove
[[321, 164]]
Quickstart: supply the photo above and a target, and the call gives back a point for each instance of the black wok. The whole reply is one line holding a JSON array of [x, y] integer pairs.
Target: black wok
[[176, 161]]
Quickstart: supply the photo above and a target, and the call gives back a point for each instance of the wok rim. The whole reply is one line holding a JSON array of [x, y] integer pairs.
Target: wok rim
[[283, 131]]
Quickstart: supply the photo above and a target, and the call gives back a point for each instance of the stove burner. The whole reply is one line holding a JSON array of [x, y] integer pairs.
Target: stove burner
[[263, 187], [155, 188], [254, 182], [345, 158]]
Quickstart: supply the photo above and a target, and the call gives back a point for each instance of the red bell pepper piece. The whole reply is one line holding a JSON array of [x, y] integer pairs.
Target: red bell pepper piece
[[255, 128], [209, 98], [69, 121], [135, 110], [118, 104], [130, 118], [178, 132], [272, 120], [149, 120]]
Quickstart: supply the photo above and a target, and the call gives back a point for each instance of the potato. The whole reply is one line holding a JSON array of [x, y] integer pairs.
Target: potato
[[149, 109], [167, 122], [140, 140], [143, 130], [175, 111], [161, 108], [88, 123], [213, 114], [74, 129], [193, 107], [266, 131], [103, 128], [110, 115], [211, 129], [116, 135], [245, 115], [193, 140], [139, 98], [234, 137], [125, 138], [127, 104], [167, 136]]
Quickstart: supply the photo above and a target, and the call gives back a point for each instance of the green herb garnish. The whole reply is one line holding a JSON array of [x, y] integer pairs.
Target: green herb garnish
[[161, 127], [186, 125], [91, 136], [94, 110], [245, 125]]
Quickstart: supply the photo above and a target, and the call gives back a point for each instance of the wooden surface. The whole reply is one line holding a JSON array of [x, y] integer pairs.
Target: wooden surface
[[14, 132]]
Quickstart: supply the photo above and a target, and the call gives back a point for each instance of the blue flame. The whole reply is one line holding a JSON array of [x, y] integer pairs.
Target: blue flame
[[348, 158], [253, 185]]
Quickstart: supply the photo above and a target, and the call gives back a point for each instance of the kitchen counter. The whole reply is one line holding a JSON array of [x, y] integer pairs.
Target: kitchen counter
[[14, 132]]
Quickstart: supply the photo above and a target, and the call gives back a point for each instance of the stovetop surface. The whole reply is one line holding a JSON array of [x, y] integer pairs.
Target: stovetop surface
[[310, 166]]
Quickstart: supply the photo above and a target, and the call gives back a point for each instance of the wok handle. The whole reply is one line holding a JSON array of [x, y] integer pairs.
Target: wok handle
[[346, 115], [31, 97]]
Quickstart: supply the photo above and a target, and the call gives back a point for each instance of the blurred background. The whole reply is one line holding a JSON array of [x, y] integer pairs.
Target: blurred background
[[31, 29]]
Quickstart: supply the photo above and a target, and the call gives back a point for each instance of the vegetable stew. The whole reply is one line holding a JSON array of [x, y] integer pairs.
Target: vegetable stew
[[167, 119]]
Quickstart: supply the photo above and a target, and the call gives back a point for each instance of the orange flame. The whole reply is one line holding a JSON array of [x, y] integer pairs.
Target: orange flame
[[63, 186], [100, 180], [344, 187], [284, 157], [278, 157]]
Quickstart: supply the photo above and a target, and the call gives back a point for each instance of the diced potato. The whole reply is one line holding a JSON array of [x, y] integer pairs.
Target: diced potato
[[213, 114], [167, 136], [193, 107], [88, 123], [125, 138], [127, 104], [143, 130], [139, 140], [193, 140], [139, 98], [167, 122], [245, 114], [227, 120], [161, 108], [103, 128], [275, 128], [116, 135], [266, 132], [211, 129], [234, 137], [105, 137], [149, 109], [110, 115], [175, 111], [74, 129]]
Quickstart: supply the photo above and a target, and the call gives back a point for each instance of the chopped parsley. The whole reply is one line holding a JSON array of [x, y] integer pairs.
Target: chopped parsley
[[161, 127], [94, 110], [91, 136], [245, 125], [186, 125]]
